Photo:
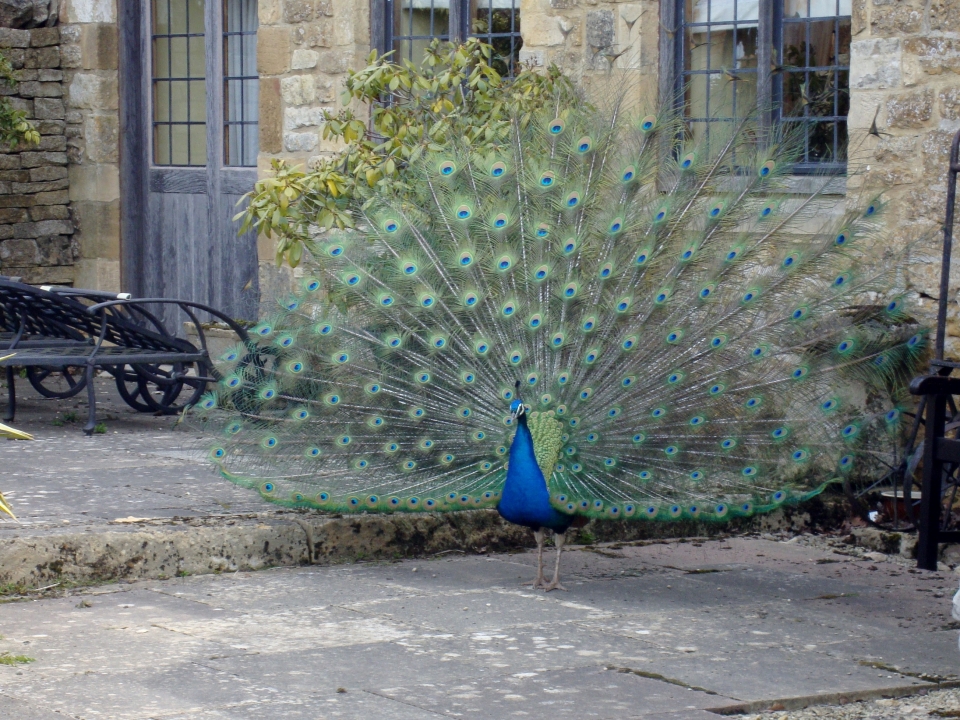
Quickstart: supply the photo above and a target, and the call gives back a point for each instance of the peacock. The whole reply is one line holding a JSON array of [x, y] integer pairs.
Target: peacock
[[609, 316]]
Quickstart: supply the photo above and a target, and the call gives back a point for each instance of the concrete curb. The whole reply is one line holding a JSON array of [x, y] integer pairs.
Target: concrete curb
[[159, 548]]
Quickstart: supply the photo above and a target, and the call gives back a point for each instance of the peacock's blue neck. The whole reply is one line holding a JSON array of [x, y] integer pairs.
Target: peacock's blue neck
[[525, 499]]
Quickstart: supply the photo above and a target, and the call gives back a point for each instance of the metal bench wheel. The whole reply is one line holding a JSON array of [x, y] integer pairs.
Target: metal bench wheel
[[164, 389], [57, 383]]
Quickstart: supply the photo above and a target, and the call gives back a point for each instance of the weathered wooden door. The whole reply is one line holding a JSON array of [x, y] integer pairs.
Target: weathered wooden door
[[189, 96]]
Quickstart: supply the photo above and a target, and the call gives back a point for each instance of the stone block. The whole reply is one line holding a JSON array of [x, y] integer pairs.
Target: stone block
[[294, 118], [50, 75], [15, 176], [70, 34], [24, 230], [896, 17], [933, 55], [36, 159], [28, 74], [273, 50], [54, 227], [600, 29], [13, 201], [298, 89], [531, 58], [99, 225], [944, 15], [57, 197], [52, 142], [325, 8], [48, 109], [335, 62], [45, 174], [10, 38], [55, 250], [875, 63], [298, 11], [94, 92], [48, 57], [271, 118], [50, 127], [74, 116], [9, 162], [541, 30], [94, 182], [19, 252], [15, 57], [910, 110], [92, 11], [24, 105], [304, 59], [270, 12], [70, 56], [24, 13], [38, 187], [98, 47], [40, 89], [6, 232], [6, 189], [44, 37], [13, 215], [300, 142], [949, 105], [316, 34], [49, 212], [325, 90], [102, 133]]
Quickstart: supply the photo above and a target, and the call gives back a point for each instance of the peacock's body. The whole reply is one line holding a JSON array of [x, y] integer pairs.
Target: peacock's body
[[690, 339]]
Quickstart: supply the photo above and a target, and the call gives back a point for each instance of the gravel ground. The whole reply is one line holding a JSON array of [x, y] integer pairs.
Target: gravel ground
[[938, 704]]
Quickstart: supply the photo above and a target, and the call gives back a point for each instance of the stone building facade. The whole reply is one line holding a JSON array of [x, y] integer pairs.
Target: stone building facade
[[60, 203]]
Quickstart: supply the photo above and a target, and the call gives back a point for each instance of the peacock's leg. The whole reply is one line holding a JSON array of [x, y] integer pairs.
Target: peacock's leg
[[539, 581], [558, 539]]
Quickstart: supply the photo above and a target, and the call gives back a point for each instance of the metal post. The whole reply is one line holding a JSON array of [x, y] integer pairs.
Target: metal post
[[928, 545], [947, 245]]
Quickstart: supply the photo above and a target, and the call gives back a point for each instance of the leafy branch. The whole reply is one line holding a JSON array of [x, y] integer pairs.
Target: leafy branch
[[456, 93], [14, 127]]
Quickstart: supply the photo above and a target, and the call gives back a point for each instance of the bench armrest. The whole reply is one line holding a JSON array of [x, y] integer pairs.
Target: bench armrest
[[187, 306]]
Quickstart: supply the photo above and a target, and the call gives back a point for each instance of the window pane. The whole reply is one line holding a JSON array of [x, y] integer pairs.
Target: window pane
[[241, 84], [179, 87], [416, 24], [497, 23], [719, 51], [814, 84]]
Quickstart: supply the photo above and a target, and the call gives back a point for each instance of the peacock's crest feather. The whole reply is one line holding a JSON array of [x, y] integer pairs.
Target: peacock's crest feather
[[693, 337]]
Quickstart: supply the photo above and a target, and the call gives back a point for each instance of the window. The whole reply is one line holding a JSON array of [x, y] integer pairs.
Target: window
[[788, 58], [241, 84], [413, 24], [180, 55], [179, 83]]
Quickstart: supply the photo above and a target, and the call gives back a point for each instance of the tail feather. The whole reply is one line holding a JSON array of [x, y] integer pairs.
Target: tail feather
[[713, 342]]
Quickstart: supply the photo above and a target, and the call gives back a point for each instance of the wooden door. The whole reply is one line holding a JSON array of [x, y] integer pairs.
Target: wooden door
[[189, 97]]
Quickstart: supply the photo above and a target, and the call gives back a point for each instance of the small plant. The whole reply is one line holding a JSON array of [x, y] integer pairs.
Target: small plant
[[71, 416], [10, 659], [100, 428], [183, 573]]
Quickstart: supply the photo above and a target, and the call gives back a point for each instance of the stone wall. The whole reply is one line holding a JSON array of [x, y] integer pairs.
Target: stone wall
[[304, 49], [59, 201], [36, 223], [905, 72]]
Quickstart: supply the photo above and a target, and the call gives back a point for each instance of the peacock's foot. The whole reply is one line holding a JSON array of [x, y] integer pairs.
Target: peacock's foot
[[536, 583], [554, 585]]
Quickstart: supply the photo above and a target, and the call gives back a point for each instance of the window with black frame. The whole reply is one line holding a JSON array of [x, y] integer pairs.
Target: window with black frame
[[413, 24], [792, 56]]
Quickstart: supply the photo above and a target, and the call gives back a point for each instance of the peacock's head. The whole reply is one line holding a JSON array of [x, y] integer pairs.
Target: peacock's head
[[517, 408]]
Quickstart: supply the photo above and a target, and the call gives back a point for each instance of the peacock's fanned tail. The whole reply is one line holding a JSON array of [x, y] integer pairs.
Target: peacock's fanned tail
[[694, 337]]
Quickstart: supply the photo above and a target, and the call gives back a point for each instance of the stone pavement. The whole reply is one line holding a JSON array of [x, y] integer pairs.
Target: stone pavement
[[667, 630], [656, 629]]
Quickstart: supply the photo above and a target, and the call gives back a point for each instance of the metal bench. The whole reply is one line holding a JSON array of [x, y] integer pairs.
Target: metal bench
[[53, 332]]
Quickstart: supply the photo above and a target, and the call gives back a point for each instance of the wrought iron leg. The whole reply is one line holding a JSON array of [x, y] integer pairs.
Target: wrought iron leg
[[11, 396], [928, 545], [91, 402]]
